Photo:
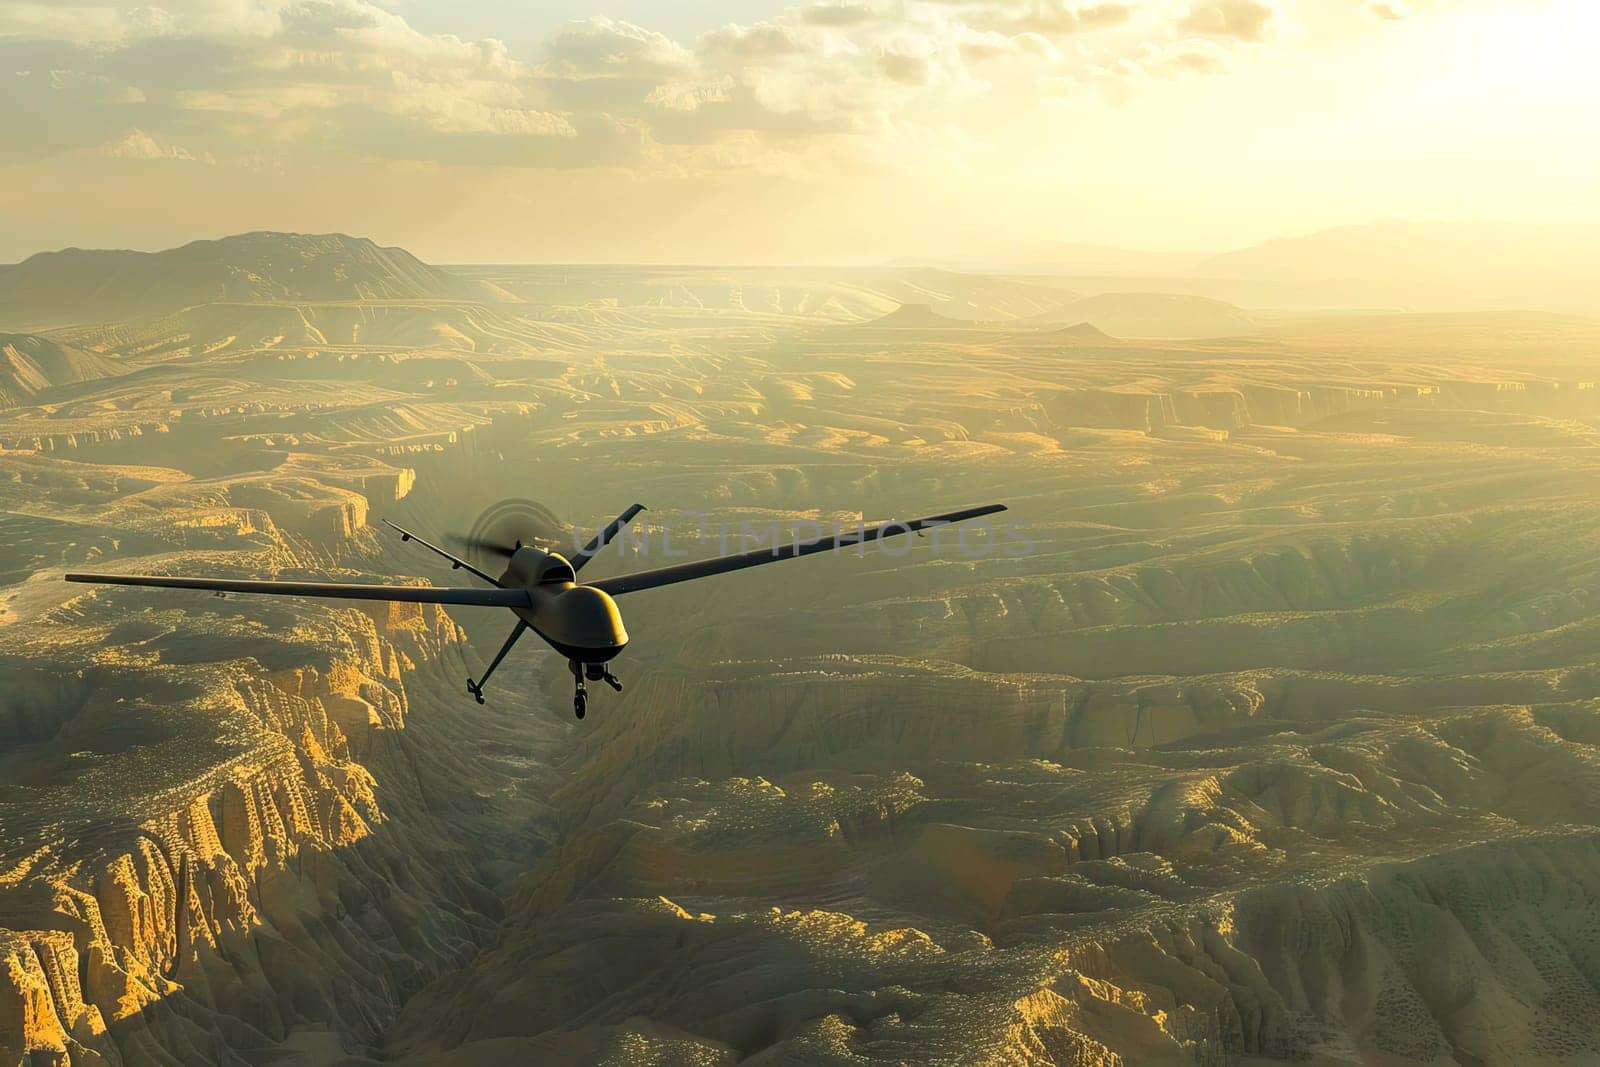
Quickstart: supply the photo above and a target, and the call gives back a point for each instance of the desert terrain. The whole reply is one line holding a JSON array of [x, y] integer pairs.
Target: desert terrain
[[1269, 734]]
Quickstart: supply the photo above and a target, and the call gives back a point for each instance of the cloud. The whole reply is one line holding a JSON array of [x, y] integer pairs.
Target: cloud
[[63, 22], [602, 45], [1195, 55], [985, 46], [1389, 10], [55, 103], [295, 79], [106, 22], [839, 14], [1242, 20], [762, 39], [904, 69], [1052, 17], [136, 144], [834, 80]]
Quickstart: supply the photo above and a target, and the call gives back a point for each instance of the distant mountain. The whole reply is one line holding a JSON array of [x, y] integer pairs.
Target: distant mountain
[[1161, 315], [1383, 266], [1060, 258], [916, 317], [30, 364], [77, 285], [1547, 262], [1083, 331], [972, 297]]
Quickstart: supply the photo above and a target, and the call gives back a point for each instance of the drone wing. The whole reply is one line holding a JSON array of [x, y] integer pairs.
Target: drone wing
[[603, 538], [415, 594], [684, 572], [456, 562]]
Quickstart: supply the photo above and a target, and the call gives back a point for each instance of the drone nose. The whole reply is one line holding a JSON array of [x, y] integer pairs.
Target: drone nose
[[587, 618]]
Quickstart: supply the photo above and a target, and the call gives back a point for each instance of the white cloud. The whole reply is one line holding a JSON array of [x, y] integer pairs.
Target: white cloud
[[1195, 55], [61, 21], [136, 144], [847, 13], [1243, 20], [762, 39], [832, 79], [904, 68], [692, 94], [1389, 10], [603, 45], [1052, 17]]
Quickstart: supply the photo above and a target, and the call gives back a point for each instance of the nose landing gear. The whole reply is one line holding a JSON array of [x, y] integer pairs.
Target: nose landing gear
[[580, 694], [593, 672]]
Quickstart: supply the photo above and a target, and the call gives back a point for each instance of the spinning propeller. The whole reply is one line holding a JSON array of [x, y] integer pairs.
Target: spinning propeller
[[509, 525], [513, 524]]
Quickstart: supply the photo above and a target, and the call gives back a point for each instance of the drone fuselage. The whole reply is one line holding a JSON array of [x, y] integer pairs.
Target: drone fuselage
[[578, 621]]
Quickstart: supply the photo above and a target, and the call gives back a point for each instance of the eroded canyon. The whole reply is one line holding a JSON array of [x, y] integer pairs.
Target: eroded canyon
[[1271, 733]]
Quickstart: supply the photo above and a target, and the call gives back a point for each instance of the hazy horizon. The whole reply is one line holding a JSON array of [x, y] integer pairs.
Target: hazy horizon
[[851, 132], [1398, 265], [1044, 254]]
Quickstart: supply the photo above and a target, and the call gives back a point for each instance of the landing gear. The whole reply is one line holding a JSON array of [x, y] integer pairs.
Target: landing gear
[[476, 688], [597, 672], [592, 672], [580, 695]]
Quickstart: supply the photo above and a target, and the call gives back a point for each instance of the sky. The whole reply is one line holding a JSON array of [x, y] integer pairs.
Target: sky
[[835, 131]]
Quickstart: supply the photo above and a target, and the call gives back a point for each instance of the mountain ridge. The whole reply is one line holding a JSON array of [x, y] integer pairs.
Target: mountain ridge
[[75, 285], [1473, 254]]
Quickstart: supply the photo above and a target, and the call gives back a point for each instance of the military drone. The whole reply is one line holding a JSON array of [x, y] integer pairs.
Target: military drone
[[579, 620]]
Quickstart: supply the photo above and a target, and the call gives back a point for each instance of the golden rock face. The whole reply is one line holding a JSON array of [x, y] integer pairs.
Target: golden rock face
[[1270, 734]]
